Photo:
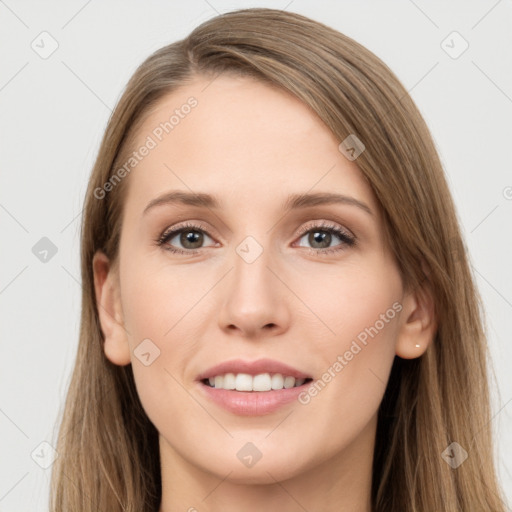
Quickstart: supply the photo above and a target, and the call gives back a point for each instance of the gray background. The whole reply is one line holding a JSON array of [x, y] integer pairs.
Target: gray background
[[54, 110]]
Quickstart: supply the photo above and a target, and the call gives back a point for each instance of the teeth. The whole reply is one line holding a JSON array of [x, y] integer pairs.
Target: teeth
[[260, 382], [277, 381], [229, 381], [289, 382], [243, 382]]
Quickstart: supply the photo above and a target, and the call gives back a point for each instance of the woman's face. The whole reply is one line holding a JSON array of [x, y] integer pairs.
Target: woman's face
[[259, 274]]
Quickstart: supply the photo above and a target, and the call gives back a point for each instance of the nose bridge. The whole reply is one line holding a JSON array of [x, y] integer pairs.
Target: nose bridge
[[251, 273]]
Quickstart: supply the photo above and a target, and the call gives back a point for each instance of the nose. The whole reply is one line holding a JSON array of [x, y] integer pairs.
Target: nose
[[256, 301]]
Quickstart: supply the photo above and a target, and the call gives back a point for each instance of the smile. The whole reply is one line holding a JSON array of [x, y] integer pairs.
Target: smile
[[260, 382]]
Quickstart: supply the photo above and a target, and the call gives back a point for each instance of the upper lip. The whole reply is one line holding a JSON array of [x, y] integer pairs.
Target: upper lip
[[252, 368]]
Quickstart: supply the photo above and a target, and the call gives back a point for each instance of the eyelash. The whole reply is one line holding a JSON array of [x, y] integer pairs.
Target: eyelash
[[347, 240]]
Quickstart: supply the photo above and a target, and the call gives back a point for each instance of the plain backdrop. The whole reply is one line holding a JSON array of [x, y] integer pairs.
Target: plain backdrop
[[54, 108]]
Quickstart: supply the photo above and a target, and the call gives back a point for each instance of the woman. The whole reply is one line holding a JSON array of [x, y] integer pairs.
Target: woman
[[278, 311]]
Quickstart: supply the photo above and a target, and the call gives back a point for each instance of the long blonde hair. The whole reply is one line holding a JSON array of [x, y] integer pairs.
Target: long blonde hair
[[108, 449]]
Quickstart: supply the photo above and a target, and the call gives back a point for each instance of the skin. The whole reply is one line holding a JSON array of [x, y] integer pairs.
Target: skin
[[251, 145]]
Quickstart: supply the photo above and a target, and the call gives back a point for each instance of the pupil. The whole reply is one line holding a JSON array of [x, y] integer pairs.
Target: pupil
[[319, 237], [191, 237]]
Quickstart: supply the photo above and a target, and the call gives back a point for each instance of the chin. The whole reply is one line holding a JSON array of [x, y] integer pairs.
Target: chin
[[270, 466], [260, 474]]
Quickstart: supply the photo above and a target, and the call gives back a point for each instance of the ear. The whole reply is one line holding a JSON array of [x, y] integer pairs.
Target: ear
[[106, 285], [418, 323]]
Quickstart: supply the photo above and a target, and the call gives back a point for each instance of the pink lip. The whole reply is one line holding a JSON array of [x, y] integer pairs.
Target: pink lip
[[252, 403], [252, 368]]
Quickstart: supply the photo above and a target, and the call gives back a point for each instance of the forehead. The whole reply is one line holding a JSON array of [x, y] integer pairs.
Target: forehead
[[238, 137]]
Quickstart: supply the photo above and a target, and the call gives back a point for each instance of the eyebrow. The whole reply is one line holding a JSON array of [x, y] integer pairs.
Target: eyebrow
[[293, 202]]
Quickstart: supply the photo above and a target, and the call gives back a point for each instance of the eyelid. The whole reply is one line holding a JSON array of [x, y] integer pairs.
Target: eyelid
[[192, 225], [304, 229], [318, 224]]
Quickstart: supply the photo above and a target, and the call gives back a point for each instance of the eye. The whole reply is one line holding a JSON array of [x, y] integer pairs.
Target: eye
[[190, 236], [321, 236]]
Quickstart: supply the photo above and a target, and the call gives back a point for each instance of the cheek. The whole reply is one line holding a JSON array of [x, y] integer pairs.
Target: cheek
[[161, 311], [343, 302], [160, 299], [359, 310]]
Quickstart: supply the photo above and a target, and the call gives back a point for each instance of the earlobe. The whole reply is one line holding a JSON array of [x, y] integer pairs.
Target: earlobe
[[116, 345], [418, 324]]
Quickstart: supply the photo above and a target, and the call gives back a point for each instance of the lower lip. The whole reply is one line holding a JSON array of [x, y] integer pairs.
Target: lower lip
[[252, 403]]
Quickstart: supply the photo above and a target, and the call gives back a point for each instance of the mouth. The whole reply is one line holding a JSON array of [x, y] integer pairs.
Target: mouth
[[262, 382], [252, 388]]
